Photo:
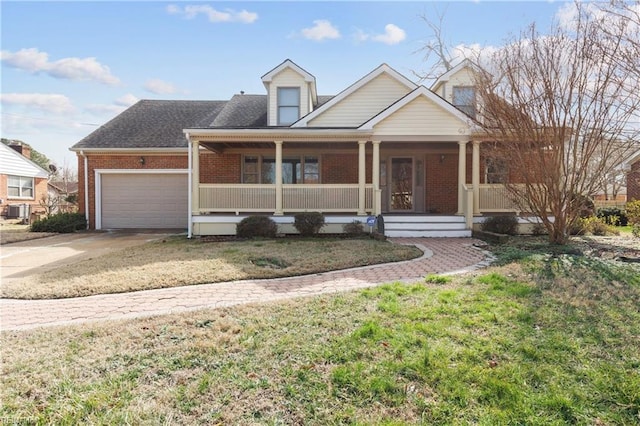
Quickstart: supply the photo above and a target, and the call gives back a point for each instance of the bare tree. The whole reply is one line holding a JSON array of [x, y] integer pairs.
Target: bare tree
[[50, 203], [563, 110], [436, 51]]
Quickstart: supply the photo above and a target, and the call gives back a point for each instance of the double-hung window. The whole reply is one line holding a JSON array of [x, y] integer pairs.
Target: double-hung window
[[288, 105], [20, 187], [497, 171], [298, 169], [464, 98]]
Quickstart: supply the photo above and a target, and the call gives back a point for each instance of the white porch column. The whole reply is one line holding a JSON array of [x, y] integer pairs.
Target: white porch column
[[475, 177], [375, 178], [278, 211], [462, 173], [362, 178], [195, 177]]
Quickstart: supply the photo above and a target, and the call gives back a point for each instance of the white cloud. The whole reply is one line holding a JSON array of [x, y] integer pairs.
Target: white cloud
[[321, 30], [159, 87], [109, 110], [34, 61], [392, 35], [361, 36], [31, 60], [126, 100], [47, 102], [477, 53], [228, 15]]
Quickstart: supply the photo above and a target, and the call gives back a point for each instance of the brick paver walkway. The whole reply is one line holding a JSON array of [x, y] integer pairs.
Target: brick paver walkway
[[442, 255]]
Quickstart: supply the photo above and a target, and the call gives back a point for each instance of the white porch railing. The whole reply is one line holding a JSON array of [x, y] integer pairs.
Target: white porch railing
[[325, 198], [295, 198], [495, 198], [237, 198]]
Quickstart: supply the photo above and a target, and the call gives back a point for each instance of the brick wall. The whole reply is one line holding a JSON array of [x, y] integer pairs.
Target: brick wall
[[342, 168], [220, 168], [441, 190], [633, 182]]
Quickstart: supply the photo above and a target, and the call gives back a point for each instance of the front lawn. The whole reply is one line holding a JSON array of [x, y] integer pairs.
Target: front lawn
[[178, 261], [549, 339]]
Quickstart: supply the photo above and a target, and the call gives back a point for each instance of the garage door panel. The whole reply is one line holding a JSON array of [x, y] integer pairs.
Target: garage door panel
[[144, 200]]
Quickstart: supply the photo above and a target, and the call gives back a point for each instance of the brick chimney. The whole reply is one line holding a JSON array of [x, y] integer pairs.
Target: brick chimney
[[23, 149]]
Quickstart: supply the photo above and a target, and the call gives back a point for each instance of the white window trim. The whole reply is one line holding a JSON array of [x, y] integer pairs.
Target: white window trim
[[278, 106], [97, 185], [22, 197]]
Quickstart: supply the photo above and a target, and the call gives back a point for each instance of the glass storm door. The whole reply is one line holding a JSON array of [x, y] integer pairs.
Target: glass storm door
[[402, 184]]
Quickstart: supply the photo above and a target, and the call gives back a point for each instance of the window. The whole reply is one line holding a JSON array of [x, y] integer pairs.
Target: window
[[311, 170], [294, 170], [288, 105], [464, 98], [20, 187], [250, 170], [497, 171]]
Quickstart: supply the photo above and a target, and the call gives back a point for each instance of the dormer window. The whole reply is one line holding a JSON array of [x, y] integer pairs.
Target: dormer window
[[288, 105], [464, 98]]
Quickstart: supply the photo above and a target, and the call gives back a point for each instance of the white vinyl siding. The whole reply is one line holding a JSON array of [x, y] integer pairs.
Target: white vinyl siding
[[287, 78], [13, 163], [132, 200], [419, 117], [362, 104], [20, 187]]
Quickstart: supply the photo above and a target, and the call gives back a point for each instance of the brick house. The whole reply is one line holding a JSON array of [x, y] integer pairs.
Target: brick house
[[23, 183], [633, 178], [383, 145]]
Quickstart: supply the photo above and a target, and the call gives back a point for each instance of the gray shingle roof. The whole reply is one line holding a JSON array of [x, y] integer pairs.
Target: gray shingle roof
[[160, 124], [153, 124], [243, 111]]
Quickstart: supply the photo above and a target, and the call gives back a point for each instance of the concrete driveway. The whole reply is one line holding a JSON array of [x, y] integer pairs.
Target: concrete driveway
[[18, 260]]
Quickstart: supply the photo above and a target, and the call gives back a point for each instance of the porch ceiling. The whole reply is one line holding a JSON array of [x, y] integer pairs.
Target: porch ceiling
[[220, 147]]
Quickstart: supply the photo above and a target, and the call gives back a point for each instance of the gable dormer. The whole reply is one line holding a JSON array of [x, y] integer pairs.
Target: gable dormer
[[457, 86], [291, 93], [363, 99]]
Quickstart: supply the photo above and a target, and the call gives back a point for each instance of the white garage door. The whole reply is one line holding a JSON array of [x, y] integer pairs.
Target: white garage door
[[144, 201]]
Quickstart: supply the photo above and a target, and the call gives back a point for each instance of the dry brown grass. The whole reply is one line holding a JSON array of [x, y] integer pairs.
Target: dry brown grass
[[13, 231], [177, 261]]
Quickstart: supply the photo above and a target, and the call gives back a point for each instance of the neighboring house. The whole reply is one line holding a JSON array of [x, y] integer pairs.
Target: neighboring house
[[60, 192], [633, 177], [22, 182], [384, 145]]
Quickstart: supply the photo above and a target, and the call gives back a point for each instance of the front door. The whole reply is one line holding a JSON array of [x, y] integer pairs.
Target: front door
[[402, 192]]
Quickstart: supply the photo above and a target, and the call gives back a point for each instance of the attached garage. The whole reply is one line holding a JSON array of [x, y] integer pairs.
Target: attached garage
[[142, 200]]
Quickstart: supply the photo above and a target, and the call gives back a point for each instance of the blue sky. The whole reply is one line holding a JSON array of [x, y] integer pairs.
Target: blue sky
[[68, 67]]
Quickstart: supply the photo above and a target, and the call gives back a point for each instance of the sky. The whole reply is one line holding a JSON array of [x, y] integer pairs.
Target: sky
[[69, 67]]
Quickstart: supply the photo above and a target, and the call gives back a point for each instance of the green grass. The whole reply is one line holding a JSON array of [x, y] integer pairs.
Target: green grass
[[625, 229], [549, 341]]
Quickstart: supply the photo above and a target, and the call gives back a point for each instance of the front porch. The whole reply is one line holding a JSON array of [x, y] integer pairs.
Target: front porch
[[338, 176]]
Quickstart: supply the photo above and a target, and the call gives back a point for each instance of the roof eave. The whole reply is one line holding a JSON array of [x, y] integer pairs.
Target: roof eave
[[130, 150]]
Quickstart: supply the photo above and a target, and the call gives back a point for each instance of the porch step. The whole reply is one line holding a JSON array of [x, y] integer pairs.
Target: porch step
[[425, 226]]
